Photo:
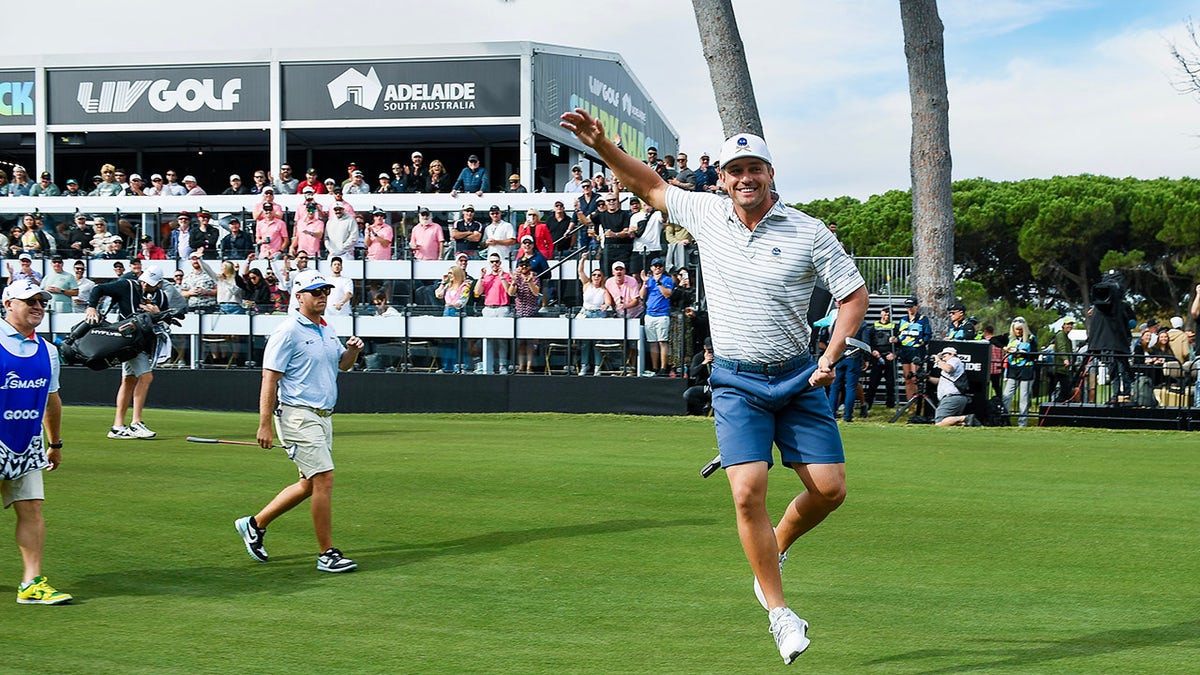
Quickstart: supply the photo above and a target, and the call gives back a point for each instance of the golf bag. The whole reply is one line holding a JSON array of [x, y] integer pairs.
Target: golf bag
[[99, 346], [997, 414]]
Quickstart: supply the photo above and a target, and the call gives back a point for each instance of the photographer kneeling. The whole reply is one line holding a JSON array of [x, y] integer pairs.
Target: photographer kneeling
[[953, 393]]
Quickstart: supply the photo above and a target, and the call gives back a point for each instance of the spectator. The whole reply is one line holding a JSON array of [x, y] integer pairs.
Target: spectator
[[495, 287], [341, 233], [678, 242], [237, 244], [155, 189], [537, 262], [61, 286], [562, 235], [198, 287], [437, 182], [499, 236], [270, 232], [311, 181], [122, 178], [588, 201], [656, 293], [467, 233], [914, 334], [79, 237], [341, 297], [382, 308], [1019, 367], [846, 374], [260, 183], [286, 184], [961, 328], [230, 287], [647, 225], [172, 188], [397, 178], [1064, 389], [600, 183], [113, 249], [83, 286], [193, 188], [575, 182], [108, 187], [3, 184], [149, 250], [379, 237], [416, 176], [256, 291], [527, 293], [203, 238], [135, 269], [596, 302], [698, 396], [100, 236], [455, 293], [612, 225], [235, 186], [670, 172], [350, 169], [310, 224], [385, 185], [426, 237], [356, 186], [514, 184], [32, 239], [180, 245], [332, 187], [473, 178], [706, 176], [684, 177], [279, 296], [267, 209], [20, 186], [137, 186], [534, 227], [44, 187], [655, 163], [624, 292], [883, 361], [952, 391], [73, 189]]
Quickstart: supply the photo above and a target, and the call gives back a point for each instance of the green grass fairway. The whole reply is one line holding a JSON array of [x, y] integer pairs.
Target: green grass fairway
[[560, 543]]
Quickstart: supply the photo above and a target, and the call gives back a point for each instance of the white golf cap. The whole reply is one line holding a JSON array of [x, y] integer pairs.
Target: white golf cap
[[24, 290], [1177, 322], [189, 178], [310, 280], [308, 190], [949, 350], [742, 146], [151, 276]]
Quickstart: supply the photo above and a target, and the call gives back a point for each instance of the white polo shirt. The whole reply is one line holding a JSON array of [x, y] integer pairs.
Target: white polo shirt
[[758, 283], [307, 355]]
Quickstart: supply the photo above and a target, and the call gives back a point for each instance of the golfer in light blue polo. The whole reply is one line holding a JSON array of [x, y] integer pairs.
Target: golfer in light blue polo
[[299, 391]]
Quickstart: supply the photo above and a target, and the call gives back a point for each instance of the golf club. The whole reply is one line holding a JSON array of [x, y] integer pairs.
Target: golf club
[[854, 346], [197, 439]]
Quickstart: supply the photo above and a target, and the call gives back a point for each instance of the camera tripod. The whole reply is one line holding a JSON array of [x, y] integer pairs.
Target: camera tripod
[[921, 400]]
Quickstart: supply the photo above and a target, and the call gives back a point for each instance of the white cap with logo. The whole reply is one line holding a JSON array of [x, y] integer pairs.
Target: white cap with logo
[[310, 280], [151, 276], [24, 290], [742, 146]]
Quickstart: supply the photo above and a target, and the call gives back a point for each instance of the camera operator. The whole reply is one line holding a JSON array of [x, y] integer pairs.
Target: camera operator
[[952, 391]]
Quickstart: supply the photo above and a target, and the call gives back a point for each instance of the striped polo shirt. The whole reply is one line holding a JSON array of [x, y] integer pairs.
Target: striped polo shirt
[[758, 283]]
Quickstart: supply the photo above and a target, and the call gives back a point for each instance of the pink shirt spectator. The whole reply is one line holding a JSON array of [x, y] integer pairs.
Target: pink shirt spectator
[[379, 241], [426, 240], [495, 289], [624, 292], [310, 230], [271, 236]]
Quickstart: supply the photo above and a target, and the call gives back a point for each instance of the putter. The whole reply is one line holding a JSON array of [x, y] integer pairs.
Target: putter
[[197, 439], [854, 346]]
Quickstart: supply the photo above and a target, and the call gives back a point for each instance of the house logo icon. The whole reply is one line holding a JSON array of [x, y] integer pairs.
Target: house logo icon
[[354, 87]]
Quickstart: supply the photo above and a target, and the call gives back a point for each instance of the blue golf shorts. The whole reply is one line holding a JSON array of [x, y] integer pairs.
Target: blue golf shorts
[[754, 412]]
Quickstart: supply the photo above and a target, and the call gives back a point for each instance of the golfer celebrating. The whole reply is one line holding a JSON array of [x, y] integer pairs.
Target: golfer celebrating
[[764, 389], [299, 390]]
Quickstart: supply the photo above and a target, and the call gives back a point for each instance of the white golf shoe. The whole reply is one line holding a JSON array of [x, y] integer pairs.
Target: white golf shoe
[[789, 632]]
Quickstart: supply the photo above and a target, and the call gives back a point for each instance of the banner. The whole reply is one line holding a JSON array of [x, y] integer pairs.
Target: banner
[[607, 91], [157, 95], [16, 97], [402, 89]]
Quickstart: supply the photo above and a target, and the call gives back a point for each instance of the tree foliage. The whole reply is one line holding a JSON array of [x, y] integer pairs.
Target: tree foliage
[[1042, 243]]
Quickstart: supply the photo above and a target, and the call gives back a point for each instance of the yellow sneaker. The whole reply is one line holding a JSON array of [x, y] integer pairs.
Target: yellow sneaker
[[38, 592]]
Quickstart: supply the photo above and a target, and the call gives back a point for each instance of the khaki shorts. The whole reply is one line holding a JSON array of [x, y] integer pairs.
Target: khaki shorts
[[658, 328], [24, 488], [137, 366], [308, 438]]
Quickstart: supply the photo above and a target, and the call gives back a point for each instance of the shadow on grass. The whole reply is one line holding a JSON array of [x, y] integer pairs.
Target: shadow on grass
[[291, 573], [1026, 653]]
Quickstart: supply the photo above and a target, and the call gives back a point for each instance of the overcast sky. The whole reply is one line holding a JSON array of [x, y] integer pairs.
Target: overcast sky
[[1037, 87]]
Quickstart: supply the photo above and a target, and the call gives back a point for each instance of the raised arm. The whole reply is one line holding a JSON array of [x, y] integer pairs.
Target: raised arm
[[634, 175]]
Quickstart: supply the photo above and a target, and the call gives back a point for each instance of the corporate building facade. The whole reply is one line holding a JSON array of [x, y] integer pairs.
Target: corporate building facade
[[211, 115]]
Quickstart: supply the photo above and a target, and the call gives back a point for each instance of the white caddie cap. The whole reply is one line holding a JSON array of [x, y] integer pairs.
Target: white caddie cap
[[151, 276], [24, 290]]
